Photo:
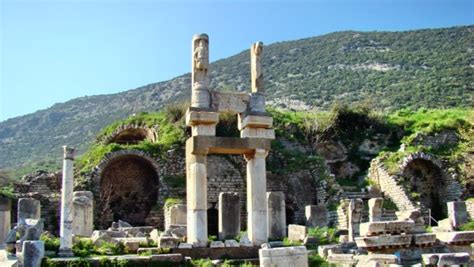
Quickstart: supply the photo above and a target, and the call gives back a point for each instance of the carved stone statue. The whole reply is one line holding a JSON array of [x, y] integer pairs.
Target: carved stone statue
[[256, 67], [200, 71]]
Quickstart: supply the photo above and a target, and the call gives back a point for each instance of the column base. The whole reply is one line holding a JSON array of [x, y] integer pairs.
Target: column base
[[65, 252]]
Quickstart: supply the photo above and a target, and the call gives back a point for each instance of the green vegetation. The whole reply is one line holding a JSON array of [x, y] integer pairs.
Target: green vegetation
[[468, 226], [51, 243], [316, 261], [171, 133], [325, 235], [172, 201]]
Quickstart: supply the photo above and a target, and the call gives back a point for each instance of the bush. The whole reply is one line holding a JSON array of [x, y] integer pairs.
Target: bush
[[51, 243], [325, 235], [316, 261], [468, 226]]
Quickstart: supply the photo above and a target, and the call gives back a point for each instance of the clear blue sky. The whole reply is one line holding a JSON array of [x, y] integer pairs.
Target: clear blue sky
[[53, 51]]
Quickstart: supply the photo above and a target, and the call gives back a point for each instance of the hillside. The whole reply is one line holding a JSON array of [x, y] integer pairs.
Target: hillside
[[387, 70]]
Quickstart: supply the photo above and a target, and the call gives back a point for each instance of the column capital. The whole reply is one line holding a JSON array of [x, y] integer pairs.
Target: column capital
[[257, 153]]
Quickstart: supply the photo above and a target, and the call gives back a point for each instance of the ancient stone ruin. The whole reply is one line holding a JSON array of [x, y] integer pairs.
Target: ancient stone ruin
[[217, 198]]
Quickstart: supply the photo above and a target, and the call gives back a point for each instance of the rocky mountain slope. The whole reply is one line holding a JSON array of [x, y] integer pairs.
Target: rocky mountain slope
[[387, 70]]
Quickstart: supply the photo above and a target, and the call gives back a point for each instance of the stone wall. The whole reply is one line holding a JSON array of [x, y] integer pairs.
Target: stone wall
[[45, 187]]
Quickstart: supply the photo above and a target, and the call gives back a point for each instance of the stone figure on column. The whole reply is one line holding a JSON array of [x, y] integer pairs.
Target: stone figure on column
[[256, 67], [200, 72]]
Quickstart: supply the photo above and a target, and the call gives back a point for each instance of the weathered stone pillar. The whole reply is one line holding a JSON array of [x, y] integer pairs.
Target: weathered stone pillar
[[276, 221], [33, 253], [65, 232], [175, 215], [83, 218], [375, 209], [355, 215], [200, 97], [316, 216], [5, 218], [257, 97], [229, 215], [196, 194], [257, 197], [457, 213], [28, 208]]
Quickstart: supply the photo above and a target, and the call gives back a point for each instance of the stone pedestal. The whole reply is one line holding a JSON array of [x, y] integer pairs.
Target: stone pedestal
[[5, 218], [196, 193], [175, 215], [257, 197], [276, 215], [33, 253], [83, 218], [457, 213], [355, 216], [28, 208], [316, 216], [229, 215], [375, 209], [65, 232]]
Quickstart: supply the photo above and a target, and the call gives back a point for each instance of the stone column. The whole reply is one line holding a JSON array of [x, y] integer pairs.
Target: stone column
[[316, 216], [229, 215], [257, 197], [196, 195], [355, 215], [276, 221], [257, 97], [457, 213], [375, 209], [83, 218], [5, 218], [65, 232], [200, 97]]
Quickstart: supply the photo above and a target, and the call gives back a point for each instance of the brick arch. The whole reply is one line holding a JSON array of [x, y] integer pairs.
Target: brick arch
[[425, 177], [126, 187], [131, 134]]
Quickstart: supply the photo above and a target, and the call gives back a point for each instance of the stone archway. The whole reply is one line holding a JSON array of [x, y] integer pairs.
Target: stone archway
[[131, 134], [427, 182], [127, 188]]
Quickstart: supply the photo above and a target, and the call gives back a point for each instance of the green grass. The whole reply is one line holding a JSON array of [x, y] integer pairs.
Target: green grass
[[172, 201], [325, 235], [468, 226]]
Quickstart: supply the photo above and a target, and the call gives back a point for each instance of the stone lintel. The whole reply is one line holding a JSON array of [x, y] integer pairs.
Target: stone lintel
[[424, 239], [195, 116], [456, 237], [233, 102], [225, 145], [254, 121], [373, 228], [383, 241]]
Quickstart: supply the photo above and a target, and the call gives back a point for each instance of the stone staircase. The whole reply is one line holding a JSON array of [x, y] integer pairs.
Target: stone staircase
[[355, 195]]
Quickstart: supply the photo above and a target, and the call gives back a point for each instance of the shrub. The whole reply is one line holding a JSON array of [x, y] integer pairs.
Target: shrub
[[51, 243], [325, 235], [468, 226]]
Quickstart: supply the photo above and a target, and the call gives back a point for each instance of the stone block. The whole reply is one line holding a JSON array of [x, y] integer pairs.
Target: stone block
[[257, 133], [29, 208], [233, 102], [342, 259], [154, 235], [457, 213], [140, 240], [30, 229], [459, 237], [388, 227], [297, 232], [316, 216], [424, 239], [33, 253], [147, 250], [276, 215], [217, 244], [245, 241], [168, 242], [309, 240], [185, 246], [174, 257], [83, 213], [231, 243], [446, 259], [138, 231], [383, 241], [283, 257], [323, 251], [375, 209], [343, 238], [201, 117], [131, 246], [229, 215], [178, 231], [176, 214]]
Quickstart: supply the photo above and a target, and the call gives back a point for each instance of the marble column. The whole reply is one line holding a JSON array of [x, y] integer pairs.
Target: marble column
[[196, 194], [65, 232], [83, 210], [257, 197], [5, 218]]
